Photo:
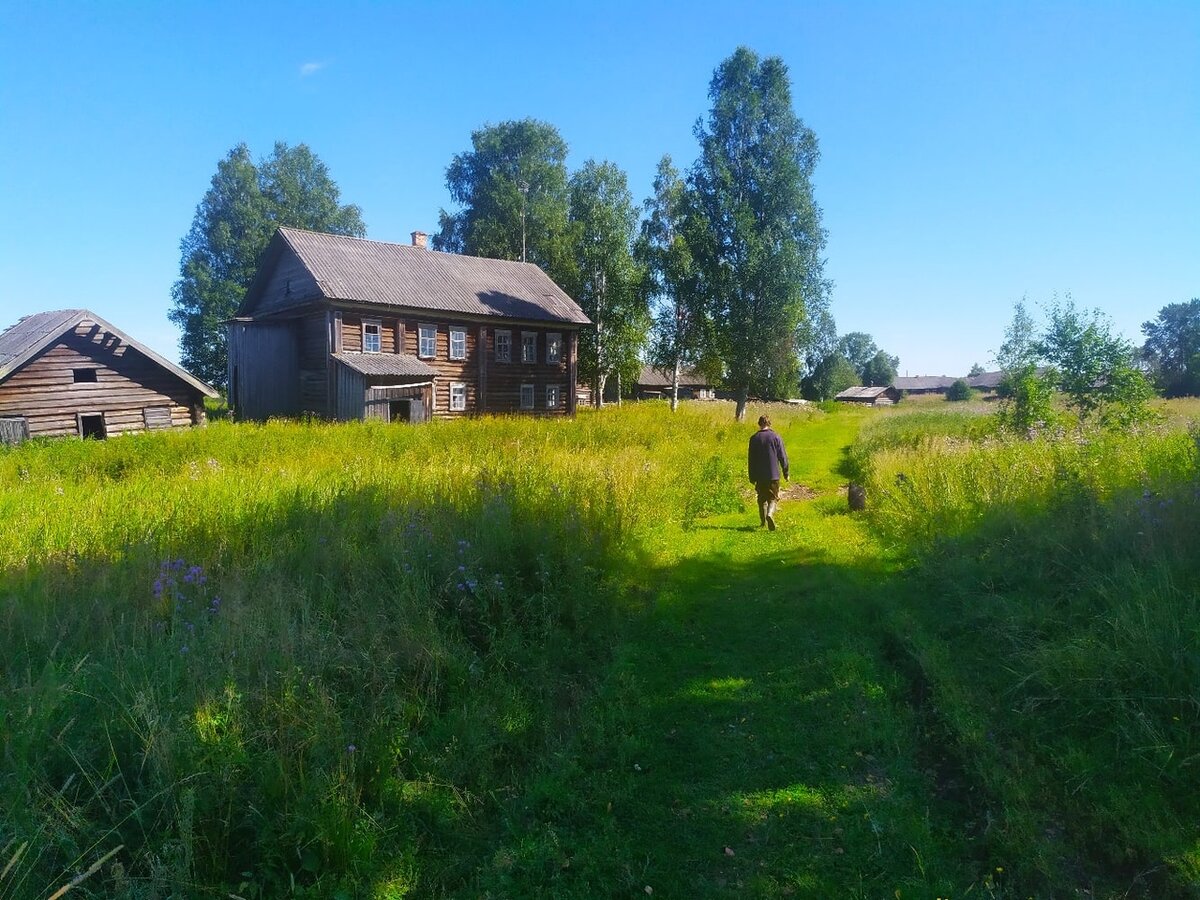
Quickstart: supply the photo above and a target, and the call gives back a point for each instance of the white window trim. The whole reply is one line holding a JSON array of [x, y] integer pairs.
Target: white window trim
[[524, 335], [378, 323], [532, 396], [450, 346], [557, 389], [507, 333], [554, 339], [421, 354], [458, 384]]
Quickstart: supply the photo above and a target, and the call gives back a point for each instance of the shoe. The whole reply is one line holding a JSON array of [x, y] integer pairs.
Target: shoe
[[770, 522]]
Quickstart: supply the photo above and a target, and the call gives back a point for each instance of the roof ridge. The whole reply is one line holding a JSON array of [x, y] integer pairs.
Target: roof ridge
[[367, 240]]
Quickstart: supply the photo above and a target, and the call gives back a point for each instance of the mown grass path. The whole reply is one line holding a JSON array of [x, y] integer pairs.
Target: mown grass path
[[754, 739]]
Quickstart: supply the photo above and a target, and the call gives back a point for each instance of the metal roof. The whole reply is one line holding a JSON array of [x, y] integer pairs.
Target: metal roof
[[399, 364], [34, 333], [362, 271], [655, 377]]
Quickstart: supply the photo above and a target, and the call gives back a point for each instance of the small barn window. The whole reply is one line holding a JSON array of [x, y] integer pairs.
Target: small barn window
[[13, 429], [91, 425], [528, 346], [427, 341], [157, 417], [552, 396], [84, 376], [458, 396], [503, 346], [458, 343], [371, 341], [527, 396], [553, 348]]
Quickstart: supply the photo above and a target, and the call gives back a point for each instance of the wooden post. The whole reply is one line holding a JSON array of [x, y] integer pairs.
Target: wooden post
[[399, 339]]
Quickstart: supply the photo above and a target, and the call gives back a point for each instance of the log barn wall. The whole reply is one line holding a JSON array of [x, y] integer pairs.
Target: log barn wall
[[131, 391]]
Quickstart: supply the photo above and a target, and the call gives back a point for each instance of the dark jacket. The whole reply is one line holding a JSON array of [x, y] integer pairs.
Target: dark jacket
[[767, 457]]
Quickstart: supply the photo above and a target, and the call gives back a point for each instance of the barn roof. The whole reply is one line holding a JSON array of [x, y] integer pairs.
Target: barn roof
[[362, 271], [652, 376], [399, 364], [862, 393], [32, 334], [922, 382]]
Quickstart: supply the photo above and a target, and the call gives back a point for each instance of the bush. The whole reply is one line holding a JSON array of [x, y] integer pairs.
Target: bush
[[960, 390]]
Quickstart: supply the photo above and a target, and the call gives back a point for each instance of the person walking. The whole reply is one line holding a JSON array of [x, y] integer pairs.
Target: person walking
[[767, 461]]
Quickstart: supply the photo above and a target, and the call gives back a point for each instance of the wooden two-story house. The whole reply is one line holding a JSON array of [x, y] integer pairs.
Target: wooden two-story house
[[345, 328]]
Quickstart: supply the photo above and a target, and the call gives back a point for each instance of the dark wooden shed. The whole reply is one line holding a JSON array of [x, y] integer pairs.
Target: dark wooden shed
[[69, 372]]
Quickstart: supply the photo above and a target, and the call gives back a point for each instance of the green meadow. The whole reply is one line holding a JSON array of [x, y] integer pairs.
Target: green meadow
[[539, 658]]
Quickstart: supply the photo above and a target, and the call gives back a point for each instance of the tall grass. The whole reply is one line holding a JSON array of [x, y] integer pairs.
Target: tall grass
[[308, 659], [1058, 628]]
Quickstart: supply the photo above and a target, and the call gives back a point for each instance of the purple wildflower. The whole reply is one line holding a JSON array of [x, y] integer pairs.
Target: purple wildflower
[[350, 748], [183, 649]]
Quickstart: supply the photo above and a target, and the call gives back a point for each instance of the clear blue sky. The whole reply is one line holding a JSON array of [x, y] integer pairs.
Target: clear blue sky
[[972, 153]]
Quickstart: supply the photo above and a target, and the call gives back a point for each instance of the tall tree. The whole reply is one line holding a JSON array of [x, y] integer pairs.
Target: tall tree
[[880, 370], [1172, 348], [512, 187], [858, 347], [604, 277], [670, 277], [760, 247], [232, 225]]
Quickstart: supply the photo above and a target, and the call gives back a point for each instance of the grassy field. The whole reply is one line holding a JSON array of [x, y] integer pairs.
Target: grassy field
[[537, 658]]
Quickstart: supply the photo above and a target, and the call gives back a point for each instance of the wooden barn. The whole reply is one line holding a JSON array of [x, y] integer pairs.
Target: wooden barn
[[654, 383], [346, 328], [870, 396], [70, 372]]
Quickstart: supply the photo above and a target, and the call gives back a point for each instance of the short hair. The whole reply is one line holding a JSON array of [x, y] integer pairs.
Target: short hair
[[764, 421]]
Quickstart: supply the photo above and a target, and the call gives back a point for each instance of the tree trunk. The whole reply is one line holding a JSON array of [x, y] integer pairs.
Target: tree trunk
[[675, 388], [618, 387], [601, 380], [740, 411]]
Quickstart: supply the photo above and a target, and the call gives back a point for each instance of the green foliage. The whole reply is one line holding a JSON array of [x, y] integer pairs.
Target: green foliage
[[1027, 401], [1093, 367], [679, 332], [605, 279], [976, 369], [875, 367], [1019, 350], [512, 187], [1172, 348], [959, 391], [757, 240], [880, 370], [832, 375], [232, 226]]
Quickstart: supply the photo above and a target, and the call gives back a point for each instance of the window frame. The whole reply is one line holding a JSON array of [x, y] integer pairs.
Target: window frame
[[557, 389], [532, 389], [450, 347], [554, 339], [533, 356], [507, 357], [463, 386], [377, 324], [421, 330]]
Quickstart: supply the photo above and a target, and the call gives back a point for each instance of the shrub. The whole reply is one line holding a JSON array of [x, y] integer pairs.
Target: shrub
[[960, 390]]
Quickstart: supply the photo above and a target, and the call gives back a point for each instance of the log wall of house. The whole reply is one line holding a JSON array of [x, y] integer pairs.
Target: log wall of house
[[314, 364], [132, 391], [493, 387]]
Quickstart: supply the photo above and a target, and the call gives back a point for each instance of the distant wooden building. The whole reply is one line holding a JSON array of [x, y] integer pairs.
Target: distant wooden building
[[655, 383], [346, 328], [870, 396], [923, 384], [70, 372]]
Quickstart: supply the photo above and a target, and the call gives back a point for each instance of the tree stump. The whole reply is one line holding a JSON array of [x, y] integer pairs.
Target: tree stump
[[858, 497]]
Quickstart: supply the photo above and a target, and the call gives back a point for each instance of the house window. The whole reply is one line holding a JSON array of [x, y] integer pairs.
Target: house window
[[553, 348], [458, 343], [370, 337], [458, 396], [552, 396], [84, 376], [528, 346], [427, 345], [527, 396], [503, 346]]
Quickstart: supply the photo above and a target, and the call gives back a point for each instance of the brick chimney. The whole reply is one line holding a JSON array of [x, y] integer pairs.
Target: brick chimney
[[420, 239]]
